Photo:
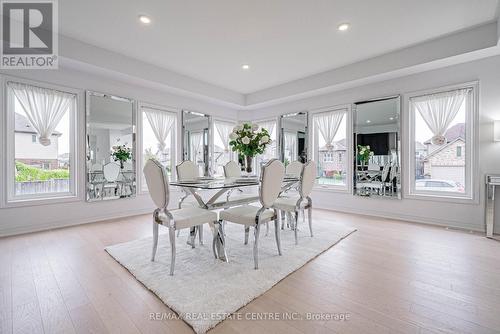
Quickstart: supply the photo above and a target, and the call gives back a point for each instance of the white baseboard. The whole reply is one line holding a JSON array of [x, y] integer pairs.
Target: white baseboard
[[9, 231], [407, 218]]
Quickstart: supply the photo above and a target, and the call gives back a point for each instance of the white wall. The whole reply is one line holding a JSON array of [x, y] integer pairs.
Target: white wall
[[469, 216], [38, 217]]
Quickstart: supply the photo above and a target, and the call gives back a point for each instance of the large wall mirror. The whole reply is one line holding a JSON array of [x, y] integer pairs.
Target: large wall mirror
[[377, 148], [293, 137], [196, 140], [110, 136]]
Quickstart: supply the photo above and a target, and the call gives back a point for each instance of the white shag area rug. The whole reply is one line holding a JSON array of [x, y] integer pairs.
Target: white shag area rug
[[204, 291]]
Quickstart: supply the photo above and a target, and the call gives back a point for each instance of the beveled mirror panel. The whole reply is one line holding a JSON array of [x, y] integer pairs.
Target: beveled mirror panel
[[293, 137], [377, 147], [196, 140], [110, 141]]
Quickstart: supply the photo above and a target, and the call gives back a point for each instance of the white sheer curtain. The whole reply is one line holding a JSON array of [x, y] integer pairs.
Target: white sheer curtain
[[161, 123], [223, 130], [439, 110], [291, 145], [328, 125], [44, 108], [196, 142], [270, 126]]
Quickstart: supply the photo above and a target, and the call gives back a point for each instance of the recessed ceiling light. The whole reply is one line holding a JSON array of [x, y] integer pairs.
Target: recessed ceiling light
[[245, 67], [144, 19], [391, 118], [343, 26], [368, 121]]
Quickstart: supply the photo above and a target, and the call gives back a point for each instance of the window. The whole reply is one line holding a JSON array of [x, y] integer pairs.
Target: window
[[222, 153], [442, 143], [270, 152], [158, 138], [330, 147], [41, 142]]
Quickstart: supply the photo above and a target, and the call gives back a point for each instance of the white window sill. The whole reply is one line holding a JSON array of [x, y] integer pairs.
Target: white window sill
[[331, 188], [437, 197], [33, 201]]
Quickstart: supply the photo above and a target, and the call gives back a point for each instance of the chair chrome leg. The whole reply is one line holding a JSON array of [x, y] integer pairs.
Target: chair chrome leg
[[178, 233], [214, 238], [281, 216], [247, 232], [256, 246], [295, 229], [309, 218], [200, 235], [267, 229], [171, 234], [192, 236], [277, 235], [155, 240]]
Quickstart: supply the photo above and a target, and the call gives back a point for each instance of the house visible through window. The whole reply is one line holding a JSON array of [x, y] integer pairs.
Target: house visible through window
[[42, 135], [330, 147], [442, 141]]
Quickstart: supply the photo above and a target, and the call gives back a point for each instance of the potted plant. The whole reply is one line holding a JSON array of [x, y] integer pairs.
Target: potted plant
[[247, 140], [121, 153]]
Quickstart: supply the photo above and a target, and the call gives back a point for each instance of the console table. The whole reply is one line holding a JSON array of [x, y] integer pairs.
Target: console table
[[491, 182]]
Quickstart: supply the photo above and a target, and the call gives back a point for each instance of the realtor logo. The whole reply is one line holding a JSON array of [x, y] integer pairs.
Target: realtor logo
[[29, 34]]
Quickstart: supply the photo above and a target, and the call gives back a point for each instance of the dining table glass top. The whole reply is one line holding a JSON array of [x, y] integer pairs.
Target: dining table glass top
[[223, 183]]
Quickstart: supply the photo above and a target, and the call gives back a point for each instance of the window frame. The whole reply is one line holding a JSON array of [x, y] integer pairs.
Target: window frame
[[276, 140], [313, 142], [8, 197], [140, 144], [471, 195], [213, 130]]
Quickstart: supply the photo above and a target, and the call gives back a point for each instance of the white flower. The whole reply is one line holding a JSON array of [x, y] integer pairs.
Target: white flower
[[255, 127], [362, 151], [371, 154], [235, 128], [245, 140], [264, 139], [233, 135], [238, 127], [367, 147]]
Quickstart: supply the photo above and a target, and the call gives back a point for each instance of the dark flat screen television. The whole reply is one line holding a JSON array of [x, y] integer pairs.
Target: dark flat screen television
[[379, 142]]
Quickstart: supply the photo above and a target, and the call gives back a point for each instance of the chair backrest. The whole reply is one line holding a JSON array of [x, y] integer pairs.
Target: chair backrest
[[232, 169], [157, 181], [294, 168], [374, 167], [307, 179], [111, 171], [271, 179], [96, 167], [187, 170], [394, 172], [385, 172]]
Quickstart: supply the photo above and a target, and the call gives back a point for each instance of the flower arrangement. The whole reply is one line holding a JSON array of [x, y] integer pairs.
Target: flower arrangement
[[121, 153], [364, 153], [246, 139]]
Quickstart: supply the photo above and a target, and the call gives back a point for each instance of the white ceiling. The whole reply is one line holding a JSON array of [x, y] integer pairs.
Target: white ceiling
[[282, 40]]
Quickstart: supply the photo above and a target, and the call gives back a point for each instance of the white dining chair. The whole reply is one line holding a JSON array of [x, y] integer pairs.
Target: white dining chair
[[110, 171], [233, 170], [294, 168], [253, 216], [301, 202], [157, 182]]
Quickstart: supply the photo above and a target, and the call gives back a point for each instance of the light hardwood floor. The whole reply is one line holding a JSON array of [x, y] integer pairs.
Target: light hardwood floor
[[389, 276]]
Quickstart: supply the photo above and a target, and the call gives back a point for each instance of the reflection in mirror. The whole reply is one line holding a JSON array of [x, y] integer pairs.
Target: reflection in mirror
[[195, 143], [377, 148], [110, 147], [293, 137]]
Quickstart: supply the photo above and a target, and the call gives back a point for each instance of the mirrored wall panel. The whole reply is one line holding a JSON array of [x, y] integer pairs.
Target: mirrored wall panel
[[377, 148], [196, 140], [293, 137], [110, 147]]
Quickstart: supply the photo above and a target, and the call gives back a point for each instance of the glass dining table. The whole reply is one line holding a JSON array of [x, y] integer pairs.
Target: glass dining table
[[221, 186]]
